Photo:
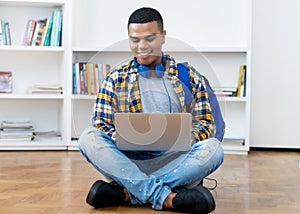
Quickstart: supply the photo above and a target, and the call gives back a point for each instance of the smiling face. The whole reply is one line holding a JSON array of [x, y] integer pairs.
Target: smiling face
[[146, 40]]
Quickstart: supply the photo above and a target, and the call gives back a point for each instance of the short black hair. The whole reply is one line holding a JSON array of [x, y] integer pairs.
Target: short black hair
[[144, 15]]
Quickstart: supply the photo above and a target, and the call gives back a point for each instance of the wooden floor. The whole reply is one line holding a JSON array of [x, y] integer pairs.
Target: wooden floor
[[263, 182]]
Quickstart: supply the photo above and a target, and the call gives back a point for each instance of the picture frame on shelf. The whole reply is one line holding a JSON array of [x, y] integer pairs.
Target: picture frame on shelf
[[6, 82]]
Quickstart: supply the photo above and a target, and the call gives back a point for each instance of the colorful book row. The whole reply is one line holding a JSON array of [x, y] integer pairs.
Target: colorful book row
[[88, 77], [44, 32]]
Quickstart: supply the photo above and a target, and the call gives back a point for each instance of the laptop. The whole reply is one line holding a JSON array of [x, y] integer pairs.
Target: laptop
[[153, 131]]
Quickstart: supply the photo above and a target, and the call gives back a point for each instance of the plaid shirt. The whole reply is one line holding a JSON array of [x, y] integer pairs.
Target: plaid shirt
[[120, 93]]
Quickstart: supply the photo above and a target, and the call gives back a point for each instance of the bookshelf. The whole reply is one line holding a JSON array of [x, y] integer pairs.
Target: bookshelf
[[217, 57], [32, 65]]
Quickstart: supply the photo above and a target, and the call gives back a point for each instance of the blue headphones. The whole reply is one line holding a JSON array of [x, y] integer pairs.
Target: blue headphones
[[145, 71]]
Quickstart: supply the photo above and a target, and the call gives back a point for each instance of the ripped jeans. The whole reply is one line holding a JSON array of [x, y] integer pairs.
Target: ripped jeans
[[150, 176]]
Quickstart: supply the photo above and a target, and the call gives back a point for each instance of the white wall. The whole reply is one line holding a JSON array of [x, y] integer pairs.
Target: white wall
[[275, 90], [214, 23]]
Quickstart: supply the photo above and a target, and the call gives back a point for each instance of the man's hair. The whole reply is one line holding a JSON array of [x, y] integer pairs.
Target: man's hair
[[144, 15]]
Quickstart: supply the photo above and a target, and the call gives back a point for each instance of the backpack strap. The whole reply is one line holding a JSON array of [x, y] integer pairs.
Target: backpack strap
[[183, 75]]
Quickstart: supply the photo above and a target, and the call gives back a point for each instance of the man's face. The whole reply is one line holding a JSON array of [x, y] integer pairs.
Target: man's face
[[146, 42]]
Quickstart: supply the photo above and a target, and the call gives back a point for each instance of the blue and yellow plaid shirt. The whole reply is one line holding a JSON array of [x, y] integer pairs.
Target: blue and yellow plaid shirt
[[120, 93]]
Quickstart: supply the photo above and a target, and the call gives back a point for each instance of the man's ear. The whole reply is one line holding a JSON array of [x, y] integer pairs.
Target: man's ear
[[164, 33]]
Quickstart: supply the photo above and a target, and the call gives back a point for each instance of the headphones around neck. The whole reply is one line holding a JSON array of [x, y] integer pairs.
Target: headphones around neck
[[145, 71]]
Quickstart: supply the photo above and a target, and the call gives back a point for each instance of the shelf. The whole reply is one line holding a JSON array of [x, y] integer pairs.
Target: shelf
[[83, 97], [33, 145], [31, 48], [33, 3], [232, 99], [183, 50], [31, 96], [239, 150]]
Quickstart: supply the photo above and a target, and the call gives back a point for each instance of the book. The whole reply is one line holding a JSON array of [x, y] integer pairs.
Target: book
[[48, 136], [30, 27], [82, 77], [48, 32], [105, 70], [46, 89], [59, 28], [5, 38], [2, 33], [9, 124], [16, 131], [7, 33], [30, 31], [6, 82], [38, 32], [88, 79], [95, 78], [56, 32], [240, 92], [233, 141], [44, 32]]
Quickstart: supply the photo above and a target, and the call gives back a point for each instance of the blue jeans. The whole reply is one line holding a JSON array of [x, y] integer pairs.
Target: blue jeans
[[150, 176]]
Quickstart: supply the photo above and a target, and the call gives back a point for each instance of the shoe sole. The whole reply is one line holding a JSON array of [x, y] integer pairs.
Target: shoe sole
[[208, 196], [92, 193]]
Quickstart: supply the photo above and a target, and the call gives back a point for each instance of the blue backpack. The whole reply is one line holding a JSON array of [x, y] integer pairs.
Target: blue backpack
[[183, 74]]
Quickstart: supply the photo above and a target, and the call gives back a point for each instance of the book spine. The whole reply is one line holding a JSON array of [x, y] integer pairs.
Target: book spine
[[81, 76], [44, 32], [91, 79], [74, 78], [1, 34], [59, 28], [38, 33], [54, 28], [31, 31], [240, 80], [77, 78], [88, 79], [99, 71], [48, 33], [7, 33], [95, 78]]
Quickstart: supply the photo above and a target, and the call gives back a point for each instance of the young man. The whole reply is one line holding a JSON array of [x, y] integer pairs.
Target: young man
[[132, 88]]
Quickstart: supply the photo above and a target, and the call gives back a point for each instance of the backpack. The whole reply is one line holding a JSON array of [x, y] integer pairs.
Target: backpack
[[183, 74]]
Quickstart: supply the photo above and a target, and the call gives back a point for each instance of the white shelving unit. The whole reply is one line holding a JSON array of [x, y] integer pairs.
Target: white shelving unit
[[216, 39], [36, 65]]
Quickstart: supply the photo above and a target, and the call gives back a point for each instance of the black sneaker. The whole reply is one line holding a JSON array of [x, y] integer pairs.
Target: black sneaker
[[104, 194], [195, 200]]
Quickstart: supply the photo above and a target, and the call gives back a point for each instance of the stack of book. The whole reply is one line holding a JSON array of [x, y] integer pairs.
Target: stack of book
[[46, 89], [5, 38], [44, 32], [87, 77], [47, 136], [233, 141], [225, 91], [16, 131]]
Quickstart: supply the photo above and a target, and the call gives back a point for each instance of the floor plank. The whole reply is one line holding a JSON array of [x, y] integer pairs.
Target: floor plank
[[264, 182]]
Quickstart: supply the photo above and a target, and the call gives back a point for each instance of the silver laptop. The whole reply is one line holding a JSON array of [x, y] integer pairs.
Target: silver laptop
[[153, 131]]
